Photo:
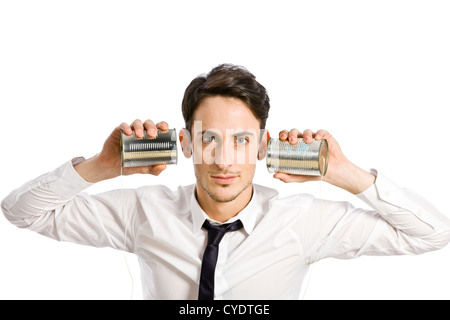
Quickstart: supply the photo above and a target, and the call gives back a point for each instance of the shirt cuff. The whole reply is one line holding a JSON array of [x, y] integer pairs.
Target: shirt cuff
[[65, 180], [387, 197], [383, 195]]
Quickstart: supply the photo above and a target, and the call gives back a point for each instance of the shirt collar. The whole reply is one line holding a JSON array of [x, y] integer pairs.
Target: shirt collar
[[247, 215]]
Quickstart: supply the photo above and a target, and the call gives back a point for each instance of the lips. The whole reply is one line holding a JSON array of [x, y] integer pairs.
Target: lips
[[224, 179]]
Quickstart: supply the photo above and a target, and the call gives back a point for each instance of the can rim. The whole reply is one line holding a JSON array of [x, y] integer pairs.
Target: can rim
[[176, 145], [121, 149], [324, 144]]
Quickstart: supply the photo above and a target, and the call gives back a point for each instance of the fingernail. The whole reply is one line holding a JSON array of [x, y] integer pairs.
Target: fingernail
[[152, 132]]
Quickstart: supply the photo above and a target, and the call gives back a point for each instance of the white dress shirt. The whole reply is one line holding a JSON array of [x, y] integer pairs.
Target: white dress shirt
[[267, 259]]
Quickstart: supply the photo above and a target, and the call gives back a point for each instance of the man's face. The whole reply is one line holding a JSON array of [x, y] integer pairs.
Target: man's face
[[225, 139]]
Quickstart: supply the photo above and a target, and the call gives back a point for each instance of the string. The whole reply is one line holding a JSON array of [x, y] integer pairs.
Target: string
[[320, 235], [125, 234]]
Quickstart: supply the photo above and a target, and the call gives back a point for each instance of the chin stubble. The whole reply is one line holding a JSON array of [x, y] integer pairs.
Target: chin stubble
[[215, 198]]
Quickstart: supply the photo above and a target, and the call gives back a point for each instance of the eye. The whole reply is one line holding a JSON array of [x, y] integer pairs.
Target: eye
[[208, 138], [241, 140]]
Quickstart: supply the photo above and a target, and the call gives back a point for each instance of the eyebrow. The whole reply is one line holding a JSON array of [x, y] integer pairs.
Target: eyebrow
[[244, 133], [239, 134]]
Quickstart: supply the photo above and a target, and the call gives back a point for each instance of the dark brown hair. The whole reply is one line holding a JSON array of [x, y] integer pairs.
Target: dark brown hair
[[229, 81]]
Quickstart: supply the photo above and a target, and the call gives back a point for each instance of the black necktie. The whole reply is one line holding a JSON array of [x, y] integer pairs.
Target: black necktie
[[215, 234]]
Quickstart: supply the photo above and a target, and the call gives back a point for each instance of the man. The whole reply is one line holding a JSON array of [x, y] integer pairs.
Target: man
[[179, 235]]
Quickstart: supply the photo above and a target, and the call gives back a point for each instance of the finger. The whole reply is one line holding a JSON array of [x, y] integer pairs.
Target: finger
[[288, 178], [163, 126], [294, 134], [138, 128], [153, 170], [322, 134], [151, 129], [284, 134], [308, 136], [157, 169], [126, 129]]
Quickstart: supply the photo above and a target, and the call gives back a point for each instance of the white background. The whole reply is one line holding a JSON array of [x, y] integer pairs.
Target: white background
[[376, 74]]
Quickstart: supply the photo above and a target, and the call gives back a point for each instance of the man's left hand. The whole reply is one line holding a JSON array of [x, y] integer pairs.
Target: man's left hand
[[341, 172]]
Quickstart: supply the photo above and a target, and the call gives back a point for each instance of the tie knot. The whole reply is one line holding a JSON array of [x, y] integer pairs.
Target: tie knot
[[216, 233]]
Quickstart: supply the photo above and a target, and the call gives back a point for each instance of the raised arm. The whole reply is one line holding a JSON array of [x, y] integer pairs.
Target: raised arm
[[400, 222], [55, 205]]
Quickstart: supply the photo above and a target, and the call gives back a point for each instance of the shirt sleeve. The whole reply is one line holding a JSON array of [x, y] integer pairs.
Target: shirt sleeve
[[55, 205], [403, 208], [399, 222]]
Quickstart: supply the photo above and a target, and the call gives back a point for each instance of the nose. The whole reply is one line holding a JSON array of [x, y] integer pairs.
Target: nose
[[224, 155]]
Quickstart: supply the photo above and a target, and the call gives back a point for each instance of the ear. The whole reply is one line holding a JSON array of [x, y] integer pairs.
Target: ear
[[262, 150], [185, 142]]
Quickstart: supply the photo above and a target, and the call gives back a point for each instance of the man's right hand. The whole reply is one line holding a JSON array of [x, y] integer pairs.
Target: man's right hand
[[107, 164]]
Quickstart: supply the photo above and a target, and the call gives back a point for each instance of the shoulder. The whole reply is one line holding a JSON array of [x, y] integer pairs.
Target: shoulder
[[163, 193], [273, 196], [160, 202]]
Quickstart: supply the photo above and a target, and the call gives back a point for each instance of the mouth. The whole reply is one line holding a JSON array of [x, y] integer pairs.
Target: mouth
[[223, 179]]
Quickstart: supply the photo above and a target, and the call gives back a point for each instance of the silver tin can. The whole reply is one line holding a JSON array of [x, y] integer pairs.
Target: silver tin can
[[303, 158], [147, 152]]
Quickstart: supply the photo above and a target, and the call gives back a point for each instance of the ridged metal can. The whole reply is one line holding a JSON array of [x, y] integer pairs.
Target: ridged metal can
[[302, 158], [149, 151]]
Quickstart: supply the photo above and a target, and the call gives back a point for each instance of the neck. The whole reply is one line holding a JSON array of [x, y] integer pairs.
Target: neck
[[222, 211]]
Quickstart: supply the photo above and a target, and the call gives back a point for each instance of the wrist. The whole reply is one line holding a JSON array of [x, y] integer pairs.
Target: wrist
[[352, 178], [93, 171]]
